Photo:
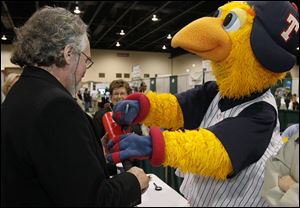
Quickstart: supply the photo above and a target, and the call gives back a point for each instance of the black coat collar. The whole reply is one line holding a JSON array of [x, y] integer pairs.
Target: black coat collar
[[36, 72]]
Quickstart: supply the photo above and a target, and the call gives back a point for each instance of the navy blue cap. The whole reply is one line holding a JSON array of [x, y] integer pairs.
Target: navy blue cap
[[275, 34]]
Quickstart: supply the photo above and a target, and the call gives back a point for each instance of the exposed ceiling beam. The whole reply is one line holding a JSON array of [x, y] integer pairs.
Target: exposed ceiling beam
[[96, 12], [165, 36], [37, 5], [116, 22], [69, 5], [163, 25], [5, 22], [101, 26], [142, 22], [161, 38], [8, 14]]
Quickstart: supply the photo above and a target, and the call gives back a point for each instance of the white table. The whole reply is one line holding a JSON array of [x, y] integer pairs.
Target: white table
[[167, 197]]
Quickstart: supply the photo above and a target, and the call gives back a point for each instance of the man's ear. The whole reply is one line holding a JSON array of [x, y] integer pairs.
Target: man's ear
[[68, 53]]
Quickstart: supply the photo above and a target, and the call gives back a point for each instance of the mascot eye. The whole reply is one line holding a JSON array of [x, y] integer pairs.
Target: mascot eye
[[217, 13], [231, 22]]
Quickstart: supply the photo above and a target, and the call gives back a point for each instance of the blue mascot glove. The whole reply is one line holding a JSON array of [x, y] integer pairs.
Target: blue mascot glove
[[132, 110], [133, 146], [124, 112]]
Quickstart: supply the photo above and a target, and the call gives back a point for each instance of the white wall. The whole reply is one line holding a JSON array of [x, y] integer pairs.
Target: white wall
[[107, 61], [295, 80], [186, 61], [5, 56]]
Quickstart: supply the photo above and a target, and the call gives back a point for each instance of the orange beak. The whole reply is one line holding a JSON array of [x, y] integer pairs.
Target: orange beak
[[204, 37]]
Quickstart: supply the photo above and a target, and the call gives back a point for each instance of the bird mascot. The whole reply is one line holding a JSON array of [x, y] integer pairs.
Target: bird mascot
[[219, 135]]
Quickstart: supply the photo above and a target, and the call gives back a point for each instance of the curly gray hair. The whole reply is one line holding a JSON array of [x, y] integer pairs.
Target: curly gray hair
[[42, 39]]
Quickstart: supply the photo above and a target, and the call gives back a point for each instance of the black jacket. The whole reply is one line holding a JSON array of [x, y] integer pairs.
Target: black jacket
[[97, 119], [50, 154]]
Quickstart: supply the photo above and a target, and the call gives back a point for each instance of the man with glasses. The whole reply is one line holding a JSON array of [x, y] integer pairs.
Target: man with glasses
[[50, 154]]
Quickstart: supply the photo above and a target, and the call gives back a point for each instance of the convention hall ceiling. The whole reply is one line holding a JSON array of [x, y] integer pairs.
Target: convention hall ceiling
[[106, 19]]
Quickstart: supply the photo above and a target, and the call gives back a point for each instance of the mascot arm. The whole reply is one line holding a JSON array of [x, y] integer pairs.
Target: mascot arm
[[246, 136], [197, 151], [225, 148], [165, 111], [185, 109]]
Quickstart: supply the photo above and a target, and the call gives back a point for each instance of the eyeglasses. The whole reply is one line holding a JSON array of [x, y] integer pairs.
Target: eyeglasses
[[88, 61], [119, 93]]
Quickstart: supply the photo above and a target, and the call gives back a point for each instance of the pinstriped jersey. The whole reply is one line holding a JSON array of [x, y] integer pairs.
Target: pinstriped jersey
[[244, 188]]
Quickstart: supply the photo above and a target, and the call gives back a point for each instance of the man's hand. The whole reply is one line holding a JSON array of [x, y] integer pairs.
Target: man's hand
[[285, 182], [141, 176]]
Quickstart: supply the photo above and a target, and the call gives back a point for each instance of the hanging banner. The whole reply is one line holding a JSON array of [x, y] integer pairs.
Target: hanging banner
[[136, 72]]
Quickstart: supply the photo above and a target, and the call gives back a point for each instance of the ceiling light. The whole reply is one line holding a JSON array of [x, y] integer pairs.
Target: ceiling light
[[193, 65], [118, 44], [187, 70], [298, 48], [4, 37], [154, 18], [122, 32], [76, 10], [164, 47], [169, 36]]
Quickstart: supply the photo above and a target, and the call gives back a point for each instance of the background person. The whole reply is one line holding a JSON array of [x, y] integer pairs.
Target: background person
[[87, 100], [295, 103], [143, 87], [94, 100], [118, 90], [10, 80], [281, 183], [277, 98], [287, 98]]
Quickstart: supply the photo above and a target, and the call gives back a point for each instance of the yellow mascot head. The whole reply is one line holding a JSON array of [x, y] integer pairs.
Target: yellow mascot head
[[250, 44]]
